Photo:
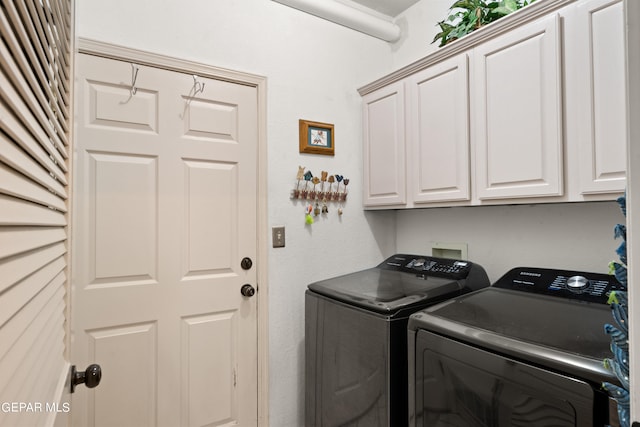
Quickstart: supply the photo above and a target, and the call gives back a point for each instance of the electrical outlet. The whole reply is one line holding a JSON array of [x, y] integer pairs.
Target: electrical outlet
[[277, 235]]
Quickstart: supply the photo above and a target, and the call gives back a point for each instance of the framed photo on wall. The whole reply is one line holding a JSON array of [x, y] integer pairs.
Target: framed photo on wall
[[317, 138]]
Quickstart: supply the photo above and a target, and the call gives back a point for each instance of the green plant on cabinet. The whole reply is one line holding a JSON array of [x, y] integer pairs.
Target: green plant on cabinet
[[466, 16]]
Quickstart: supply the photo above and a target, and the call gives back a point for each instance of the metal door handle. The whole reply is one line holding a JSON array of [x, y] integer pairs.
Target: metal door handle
[[90, 377], [247, 290]]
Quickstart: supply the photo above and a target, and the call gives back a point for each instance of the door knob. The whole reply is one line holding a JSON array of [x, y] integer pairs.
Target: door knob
[[247, 290], [90, 377]]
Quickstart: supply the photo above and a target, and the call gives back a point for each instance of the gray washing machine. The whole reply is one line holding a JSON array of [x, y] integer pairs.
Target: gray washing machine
[[356, 336], [527, 351]]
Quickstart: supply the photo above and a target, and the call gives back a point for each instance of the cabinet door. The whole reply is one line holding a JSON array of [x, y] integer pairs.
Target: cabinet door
[[518, 116], [384, 147], [438, 132], [600, 96]]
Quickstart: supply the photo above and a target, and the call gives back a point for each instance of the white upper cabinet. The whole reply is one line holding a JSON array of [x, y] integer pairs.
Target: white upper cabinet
[[518, 113], [438, 132], [384, 147], [597, 99], [529, 109]]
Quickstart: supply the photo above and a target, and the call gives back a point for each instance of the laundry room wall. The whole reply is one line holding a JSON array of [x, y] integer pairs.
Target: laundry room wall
[[572, 236], [313, 69], [419, 25]]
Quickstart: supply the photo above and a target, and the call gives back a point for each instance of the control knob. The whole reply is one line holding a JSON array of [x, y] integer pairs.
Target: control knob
[[577, 284], [418, 263]]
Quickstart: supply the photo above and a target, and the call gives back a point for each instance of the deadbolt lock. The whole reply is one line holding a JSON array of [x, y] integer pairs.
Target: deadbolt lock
[[246, 263]]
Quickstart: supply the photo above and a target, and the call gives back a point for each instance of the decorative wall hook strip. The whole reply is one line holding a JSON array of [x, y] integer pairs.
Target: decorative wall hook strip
[[327, 192]]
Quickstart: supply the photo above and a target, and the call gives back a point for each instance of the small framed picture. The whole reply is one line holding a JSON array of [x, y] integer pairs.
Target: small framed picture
[[317, 138]]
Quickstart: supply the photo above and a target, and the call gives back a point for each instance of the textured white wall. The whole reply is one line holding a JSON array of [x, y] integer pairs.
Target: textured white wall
[[573, 236], [418, 25], [313, 69]]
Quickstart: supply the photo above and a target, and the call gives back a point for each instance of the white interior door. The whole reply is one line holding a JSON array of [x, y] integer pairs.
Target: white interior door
[[165, 210]]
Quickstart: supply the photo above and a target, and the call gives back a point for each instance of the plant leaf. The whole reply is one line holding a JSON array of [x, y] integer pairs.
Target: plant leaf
[[464, 4], [466, 16], [506, 7]]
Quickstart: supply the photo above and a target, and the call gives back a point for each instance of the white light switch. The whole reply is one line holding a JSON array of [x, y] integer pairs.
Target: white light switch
[[277, 235]]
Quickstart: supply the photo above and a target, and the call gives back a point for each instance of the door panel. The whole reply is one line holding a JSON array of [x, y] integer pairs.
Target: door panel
[[209, 375], [384, 147], [439, 132], [109, 107], [124, 218], [519, 139], [211, 217], [135, 347], [165, 210], [601, 96]]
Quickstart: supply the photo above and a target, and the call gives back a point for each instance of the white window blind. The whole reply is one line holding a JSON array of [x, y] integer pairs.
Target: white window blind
[[35, 121]]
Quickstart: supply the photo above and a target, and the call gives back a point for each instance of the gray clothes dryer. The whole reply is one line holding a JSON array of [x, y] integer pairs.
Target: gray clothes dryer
[[356, 336]]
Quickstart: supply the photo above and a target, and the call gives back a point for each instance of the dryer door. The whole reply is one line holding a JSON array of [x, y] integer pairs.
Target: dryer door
[[464, 386]]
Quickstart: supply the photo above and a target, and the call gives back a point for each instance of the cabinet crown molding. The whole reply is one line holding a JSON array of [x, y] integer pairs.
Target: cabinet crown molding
[[534, 11]]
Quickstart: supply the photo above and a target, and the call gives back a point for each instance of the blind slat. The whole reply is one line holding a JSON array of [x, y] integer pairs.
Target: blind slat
[[15, 184], [19, 212], [28, 317], [17, 296], [12, 155], [18, 106], [16, 240], [15, 269], [32, 364], [12, 127], [25, 348]]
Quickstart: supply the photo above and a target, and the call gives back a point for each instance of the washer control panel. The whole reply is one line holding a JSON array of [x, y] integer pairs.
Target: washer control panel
[[592, 287], [422, 265]]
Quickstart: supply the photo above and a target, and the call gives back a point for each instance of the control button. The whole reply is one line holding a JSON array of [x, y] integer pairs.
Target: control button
[[418, 263], [577, 283]]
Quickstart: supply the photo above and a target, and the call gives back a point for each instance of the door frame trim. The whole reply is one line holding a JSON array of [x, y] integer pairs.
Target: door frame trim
[[112, 51]]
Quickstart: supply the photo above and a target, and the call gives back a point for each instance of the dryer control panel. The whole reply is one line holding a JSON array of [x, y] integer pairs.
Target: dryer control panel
[[592, 287], [428, 266]]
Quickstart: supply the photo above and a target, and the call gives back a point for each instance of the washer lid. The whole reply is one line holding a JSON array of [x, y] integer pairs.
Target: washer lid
[[387, 291], [566, 335]]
